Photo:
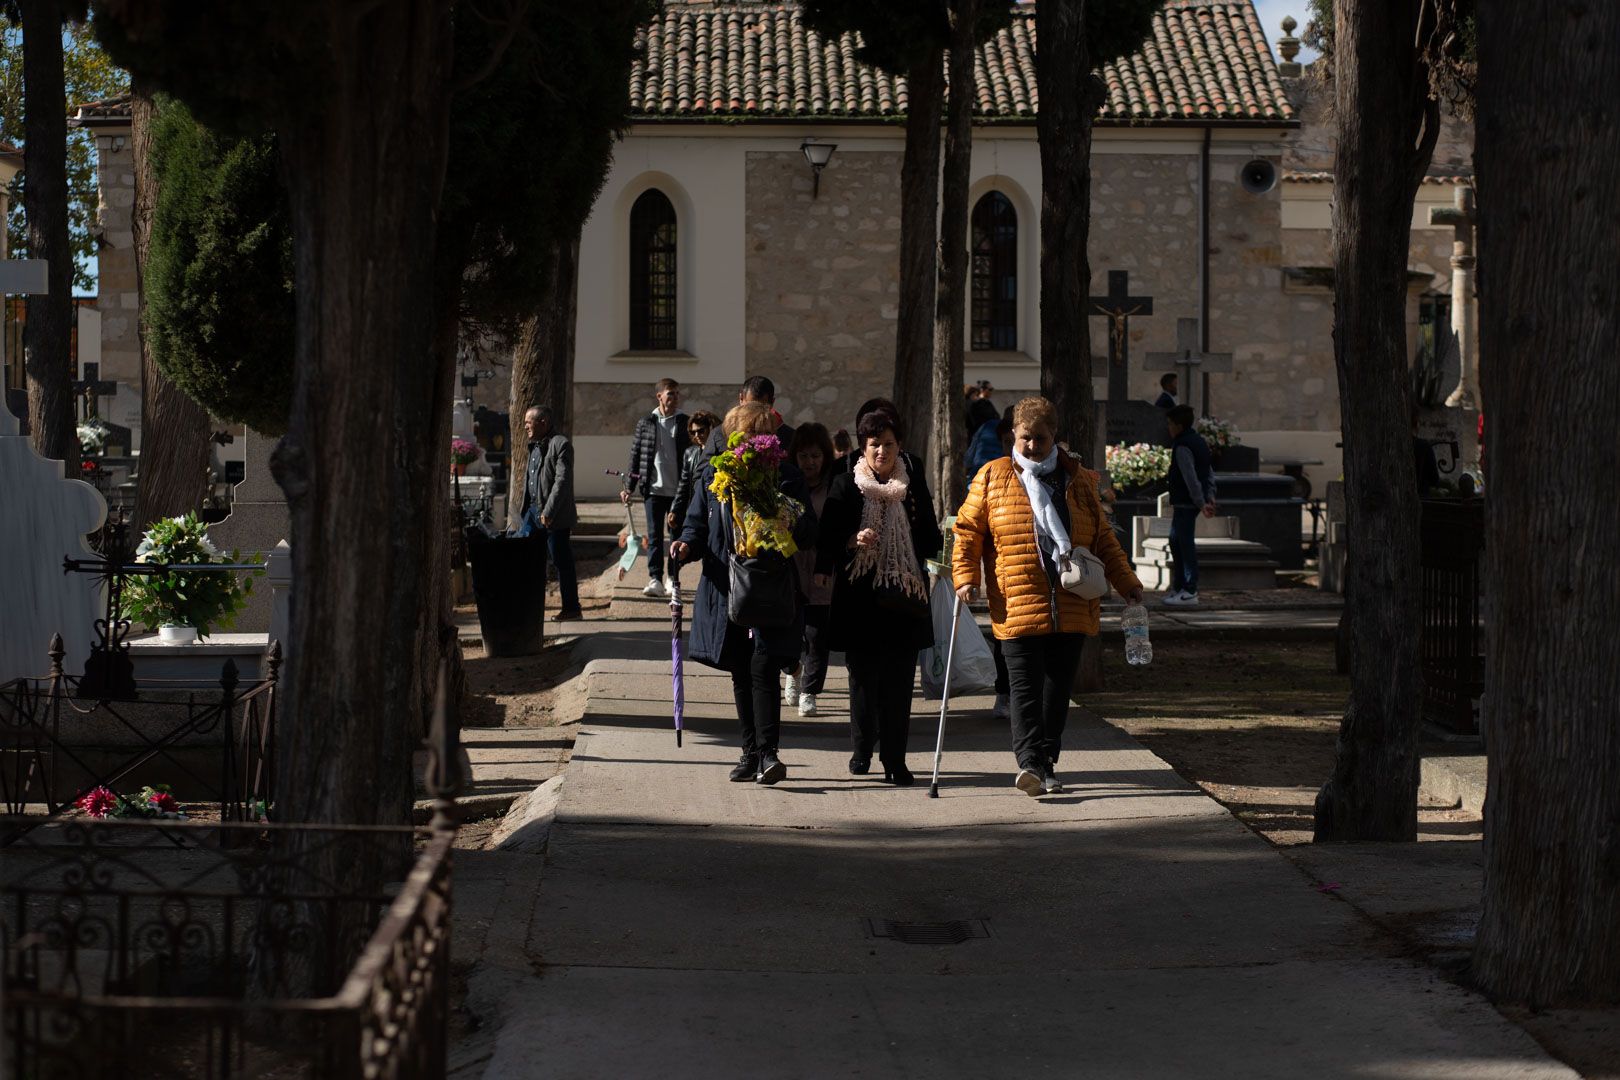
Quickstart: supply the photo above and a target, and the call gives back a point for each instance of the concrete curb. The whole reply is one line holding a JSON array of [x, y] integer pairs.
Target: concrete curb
[[526, 829], [472, 807]]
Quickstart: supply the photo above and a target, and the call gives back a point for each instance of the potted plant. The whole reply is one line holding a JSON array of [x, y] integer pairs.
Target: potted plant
[[93, 433], [1138, 470], [1219, 434], [463, 452], [184, 605]]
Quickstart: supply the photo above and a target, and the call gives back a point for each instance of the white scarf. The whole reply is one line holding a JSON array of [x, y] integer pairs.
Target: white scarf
[[1049, 530], [892, 561]]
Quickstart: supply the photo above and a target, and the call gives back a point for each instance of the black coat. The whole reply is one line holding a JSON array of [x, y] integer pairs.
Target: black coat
[[857, 619], [715, 640]]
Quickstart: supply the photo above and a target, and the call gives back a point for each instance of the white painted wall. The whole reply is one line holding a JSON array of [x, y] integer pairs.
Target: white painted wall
[[1310, 205]]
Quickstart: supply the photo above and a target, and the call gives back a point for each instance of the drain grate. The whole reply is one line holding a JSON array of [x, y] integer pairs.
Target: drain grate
[[949, 932]]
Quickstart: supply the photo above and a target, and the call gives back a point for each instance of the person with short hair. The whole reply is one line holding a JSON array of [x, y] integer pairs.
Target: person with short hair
[[655, 472], [548, 512], [1167, 391], [755, 658], [1192, 492], [698, 428], [812, 452], [841, 444], [759, 389], [877, 535], [1020, 516]]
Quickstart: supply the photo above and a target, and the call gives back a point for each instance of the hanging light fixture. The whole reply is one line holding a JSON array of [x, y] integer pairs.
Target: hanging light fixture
[[817, 154]]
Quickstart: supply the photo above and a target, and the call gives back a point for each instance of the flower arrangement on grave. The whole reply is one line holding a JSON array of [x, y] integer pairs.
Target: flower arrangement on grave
[[93, 434], [1219, 434], [748, 478], [181, 598], [152, 801], [1137, 464], [464, 452]]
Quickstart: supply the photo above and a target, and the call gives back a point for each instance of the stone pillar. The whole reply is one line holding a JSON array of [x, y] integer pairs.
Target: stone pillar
[[1464, 307]]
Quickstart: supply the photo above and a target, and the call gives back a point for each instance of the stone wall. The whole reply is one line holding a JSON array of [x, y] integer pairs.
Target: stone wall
[[118, 296], [823, 281]]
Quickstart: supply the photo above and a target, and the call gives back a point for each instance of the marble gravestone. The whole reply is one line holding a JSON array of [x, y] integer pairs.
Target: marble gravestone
[[258, 521], [46, 519]]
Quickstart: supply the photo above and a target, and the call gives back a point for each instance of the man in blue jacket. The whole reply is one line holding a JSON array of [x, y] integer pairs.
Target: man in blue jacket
[[1192, 492], [548, 510]]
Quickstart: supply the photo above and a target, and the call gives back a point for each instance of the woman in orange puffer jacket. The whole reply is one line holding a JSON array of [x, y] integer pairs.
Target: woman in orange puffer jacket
[[1020, 514]]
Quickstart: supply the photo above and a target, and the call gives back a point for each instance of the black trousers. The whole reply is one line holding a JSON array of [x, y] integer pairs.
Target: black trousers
[[1003, 685], [657, 509], [758, 694], [1040, 672], [880, 700], [813, 663]]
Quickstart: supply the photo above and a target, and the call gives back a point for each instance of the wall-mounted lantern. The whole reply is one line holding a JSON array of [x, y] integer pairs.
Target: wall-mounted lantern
[[817, 154]]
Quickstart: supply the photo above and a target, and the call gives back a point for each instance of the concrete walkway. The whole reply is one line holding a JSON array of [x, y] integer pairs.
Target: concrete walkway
[[683, 926]]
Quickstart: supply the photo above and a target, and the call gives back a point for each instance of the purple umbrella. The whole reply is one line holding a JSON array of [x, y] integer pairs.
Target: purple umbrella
[[677, 656]]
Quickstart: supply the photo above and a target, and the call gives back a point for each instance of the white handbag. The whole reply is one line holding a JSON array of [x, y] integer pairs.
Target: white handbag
[[1081, 573]]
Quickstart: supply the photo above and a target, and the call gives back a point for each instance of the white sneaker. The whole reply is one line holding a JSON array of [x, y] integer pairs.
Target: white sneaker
[[790, 692], [1003, 707], [1030, 782], [655, 589], [1182, 598], [807, 704]]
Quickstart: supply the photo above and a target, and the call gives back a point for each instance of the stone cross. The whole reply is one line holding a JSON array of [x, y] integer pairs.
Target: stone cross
[[1118, 307], [1189, 357], [1464, 316]]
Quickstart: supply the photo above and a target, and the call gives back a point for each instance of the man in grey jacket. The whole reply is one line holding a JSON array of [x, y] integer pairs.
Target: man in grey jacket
[[548, 511]]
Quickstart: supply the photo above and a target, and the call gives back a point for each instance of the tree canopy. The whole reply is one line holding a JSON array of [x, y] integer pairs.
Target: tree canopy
[[90, 75], [219, 275]]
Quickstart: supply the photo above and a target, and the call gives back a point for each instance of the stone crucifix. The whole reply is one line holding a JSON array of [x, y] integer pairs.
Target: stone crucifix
[[1464, 313], [1189, 359], [1118, 307]]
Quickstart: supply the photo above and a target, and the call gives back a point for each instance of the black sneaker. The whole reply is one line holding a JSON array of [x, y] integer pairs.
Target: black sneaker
[[771, 768], [747, 768], [1050, 784]]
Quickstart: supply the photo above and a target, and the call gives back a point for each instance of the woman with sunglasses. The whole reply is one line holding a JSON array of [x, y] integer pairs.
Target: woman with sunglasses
[[698, 426]]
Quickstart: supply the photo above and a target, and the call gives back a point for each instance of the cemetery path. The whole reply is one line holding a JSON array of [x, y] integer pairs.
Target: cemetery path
[[683, 926]]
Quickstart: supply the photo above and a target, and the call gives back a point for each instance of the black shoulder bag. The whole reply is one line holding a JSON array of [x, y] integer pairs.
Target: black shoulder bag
[[762, 590]]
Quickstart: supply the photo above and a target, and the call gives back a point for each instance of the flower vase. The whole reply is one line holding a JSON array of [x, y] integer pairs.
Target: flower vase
[[177, 635], [457, 469]]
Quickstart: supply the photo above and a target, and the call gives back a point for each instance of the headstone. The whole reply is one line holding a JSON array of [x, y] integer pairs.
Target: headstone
[[46, 519], [1190, 360], [257, 523]]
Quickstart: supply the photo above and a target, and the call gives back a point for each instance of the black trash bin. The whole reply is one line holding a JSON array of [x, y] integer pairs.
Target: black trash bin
[[509, 585]]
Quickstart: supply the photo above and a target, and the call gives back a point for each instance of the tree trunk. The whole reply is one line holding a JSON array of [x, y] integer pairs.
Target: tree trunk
[[1068, 104], [175, 430], [543, 363], [363, 464], [437, 639], [945, 441], [52, 426], [1549, 931], [919, 234], [1387, 125]]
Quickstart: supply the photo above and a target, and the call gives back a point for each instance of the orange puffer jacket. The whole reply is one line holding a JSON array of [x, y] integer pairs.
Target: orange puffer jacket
[[996, 526]]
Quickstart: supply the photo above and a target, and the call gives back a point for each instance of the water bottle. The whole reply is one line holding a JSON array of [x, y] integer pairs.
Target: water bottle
[[1138, 649]]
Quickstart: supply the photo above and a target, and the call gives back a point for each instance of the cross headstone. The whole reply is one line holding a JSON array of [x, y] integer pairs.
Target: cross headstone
[[90, 387], [1461, 217], [1118, 307], [1189, 358]]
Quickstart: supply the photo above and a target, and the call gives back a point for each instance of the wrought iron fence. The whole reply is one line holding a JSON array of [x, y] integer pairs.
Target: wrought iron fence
[[50, 753], [183, 950], [1453, 545]]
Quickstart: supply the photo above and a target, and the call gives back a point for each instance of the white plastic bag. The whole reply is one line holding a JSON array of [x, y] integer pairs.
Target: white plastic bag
[[973, 669]]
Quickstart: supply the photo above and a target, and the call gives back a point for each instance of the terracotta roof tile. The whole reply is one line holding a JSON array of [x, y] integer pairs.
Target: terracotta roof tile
[[736, 59], [1322, 176]]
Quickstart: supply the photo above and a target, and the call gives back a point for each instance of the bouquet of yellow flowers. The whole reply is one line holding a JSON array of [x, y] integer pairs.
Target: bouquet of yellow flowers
[[747, 478]]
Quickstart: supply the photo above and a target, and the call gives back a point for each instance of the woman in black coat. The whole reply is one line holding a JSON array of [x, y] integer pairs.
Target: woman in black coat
[[877, 531], [755, 659]]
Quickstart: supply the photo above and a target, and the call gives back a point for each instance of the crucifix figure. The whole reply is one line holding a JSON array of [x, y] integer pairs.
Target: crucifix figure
[[1189, 359], [1460, 216], [1118, 307]]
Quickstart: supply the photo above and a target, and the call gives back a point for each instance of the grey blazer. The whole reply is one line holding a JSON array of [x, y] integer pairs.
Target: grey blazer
[[549, 486]]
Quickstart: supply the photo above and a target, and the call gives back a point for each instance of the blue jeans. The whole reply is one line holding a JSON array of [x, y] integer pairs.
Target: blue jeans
[[561, 548], [1183, 549], [657, 509]]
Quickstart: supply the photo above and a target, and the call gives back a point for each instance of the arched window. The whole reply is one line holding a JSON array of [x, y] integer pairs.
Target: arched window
[[995, 273], [652, 271]]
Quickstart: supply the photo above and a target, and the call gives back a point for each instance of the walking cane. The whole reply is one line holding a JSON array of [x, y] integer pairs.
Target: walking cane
[[945, 698]]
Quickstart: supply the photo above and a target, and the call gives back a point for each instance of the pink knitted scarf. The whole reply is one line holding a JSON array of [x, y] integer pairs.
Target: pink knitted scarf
[[892, 561]]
